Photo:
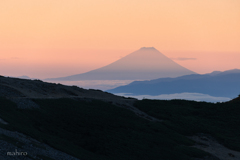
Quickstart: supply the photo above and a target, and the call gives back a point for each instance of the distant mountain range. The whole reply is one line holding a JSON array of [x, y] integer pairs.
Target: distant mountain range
[[24, 77], [144, 64], [218, 84]]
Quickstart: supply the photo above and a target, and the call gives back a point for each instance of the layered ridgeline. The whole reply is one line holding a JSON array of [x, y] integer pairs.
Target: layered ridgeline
[[50, 121], [144, 64], [218, 84]]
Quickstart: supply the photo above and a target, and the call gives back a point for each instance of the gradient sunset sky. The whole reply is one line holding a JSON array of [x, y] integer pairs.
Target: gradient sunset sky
[[53, 38]]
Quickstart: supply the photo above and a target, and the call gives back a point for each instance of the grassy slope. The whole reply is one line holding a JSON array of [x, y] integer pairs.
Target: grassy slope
[[97, 130], [221, 120]]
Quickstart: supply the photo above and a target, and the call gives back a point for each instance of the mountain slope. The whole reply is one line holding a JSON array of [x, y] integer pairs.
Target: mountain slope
[[222, 84], [72, 122], [24, 88], [146, 63], [22, 91], [236, 99]]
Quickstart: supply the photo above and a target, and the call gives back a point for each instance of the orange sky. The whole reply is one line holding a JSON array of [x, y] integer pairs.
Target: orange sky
[[50, 38]]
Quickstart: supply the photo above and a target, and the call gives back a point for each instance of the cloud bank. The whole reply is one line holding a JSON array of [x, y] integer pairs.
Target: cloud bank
[[185, 96], [183, 59]]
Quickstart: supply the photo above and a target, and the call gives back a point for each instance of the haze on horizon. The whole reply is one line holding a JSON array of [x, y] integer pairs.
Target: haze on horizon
[[44, 39]]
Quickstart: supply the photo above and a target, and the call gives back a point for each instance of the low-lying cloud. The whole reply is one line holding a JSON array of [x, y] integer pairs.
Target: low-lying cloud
[[12, 58], [15, 58], [96, 84], [186, 96], [183, 59]]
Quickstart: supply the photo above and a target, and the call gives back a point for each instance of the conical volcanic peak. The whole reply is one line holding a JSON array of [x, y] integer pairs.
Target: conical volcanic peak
[[144, 64], [147, 48], [146, 59]]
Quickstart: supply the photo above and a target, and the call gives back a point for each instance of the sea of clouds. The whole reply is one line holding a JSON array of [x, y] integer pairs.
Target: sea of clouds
[[185, 96]]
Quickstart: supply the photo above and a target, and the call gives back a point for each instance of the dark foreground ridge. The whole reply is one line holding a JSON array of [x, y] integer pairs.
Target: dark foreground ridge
[[66, 122]]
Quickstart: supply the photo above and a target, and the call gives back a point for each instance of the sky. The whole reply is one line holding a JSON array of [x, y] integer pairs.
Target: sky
[[55, 38]]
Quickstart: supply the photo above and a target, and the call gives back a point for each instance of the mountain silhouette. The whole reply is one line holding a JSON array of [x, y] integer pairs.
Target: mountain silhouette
[[236, 99], [218, 84], [144, 64], [53, 121], [24, 77]]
